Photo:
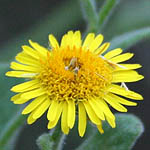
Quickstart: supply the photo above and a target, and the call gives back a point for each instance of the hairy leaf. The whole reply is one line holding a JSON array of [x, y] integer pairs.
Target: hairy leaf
[[123, 137]]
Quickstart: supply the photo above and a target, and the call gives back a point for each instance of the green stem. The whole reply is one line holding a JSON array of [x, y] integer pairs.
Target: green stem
[[106, 11], [58, 137], [10, 129], [61, 142], [52, 141], [90, 14]]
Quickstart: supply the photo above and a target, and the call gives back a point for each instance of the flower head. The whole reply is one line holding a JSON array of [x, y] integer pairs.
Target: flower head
[[74, 76]]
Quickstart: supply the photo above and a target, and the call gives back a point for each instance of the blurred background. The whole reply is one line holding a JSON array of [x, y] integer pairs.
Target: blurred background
[[21, 20]]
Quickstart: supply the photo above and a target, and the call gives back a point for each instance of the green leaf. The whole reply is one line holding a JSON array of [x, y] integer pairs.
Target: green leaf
[[44, 142], [51, 141], [8, 109], [106, 11], [123, 137], [90, 14], [10, 129], [128, 39], [129, 16]]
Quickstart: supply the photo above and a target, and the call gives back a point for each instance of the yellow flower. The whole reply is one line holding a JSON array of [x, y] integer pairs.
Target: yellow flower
[[74, 76]]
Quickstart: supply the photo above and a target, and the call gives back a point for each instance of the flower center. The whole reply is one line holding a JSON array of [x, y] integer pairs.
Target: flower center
[[74, 74], [73, 66]]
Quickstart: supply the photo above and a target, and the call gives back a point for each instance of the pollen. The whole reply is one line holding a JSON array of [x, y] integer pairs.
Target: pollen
[[71, 74]]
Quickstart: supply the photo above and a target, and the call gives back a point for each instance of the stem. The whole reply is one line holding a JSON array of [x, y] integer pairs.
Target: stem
[[106, 11], [61, 142], [59, 138], [90, 14], [52, 141], [11, 127]]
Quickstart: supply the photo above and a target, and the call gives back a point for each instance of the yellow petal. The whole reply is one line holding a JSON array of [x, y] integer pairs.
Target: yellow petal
[[71, 113], [33, 93], [42, 50], [117, 89], [18, 100], [21, 87], [122, 100], [97, 109], [17, 66], [64, 41], [93, 117], [33, 87], [111, 122], [70, 34], [134, 95], [96, 42], [126, 76], [104, 107], [51, 115], [20, 74], [126, 93], [64, 125], [21, 100], [52, 124], [69, 39], [102, 49], [16, 97], [53, 41], [30, 119], [77, 39], [40, 110], [127, 67], [26, 59], [113, 53], [36, 102], [88, 40], [100, 129], [114, 103], [122, 57], [125, 73], [82, 119], [28, 50]]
